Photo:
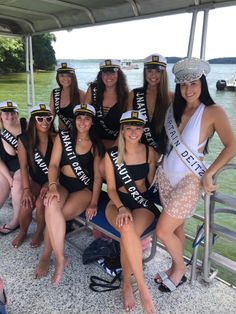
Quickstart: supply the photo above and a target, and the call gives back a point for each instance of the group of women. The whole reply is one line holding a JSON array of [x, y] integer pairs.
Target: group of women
[[120, 136]]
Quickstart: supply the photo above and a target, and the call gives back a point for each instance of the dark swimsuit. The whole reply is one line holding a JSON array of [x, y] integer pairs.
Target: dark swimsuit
[[73, 184], [36, 173], [11, 161], [137, 172]]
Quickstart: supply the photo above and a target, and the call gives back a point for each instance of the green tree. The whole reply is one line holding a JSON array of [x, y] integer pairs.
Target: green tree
[[43, 52], [11, 55]]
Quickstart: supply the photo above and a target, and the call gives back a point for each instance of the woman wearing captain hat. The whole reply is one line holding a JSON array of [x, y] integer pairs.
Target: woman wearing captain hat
[[128, 168], [108, 94], [153, 99], [74, 185], [10, 179], [190, 122], [35, 147], [64, 98]]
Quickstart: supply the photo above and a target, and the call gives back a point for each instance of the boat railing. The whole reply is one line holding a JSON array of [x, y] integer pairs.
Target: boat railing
[[211, 229]]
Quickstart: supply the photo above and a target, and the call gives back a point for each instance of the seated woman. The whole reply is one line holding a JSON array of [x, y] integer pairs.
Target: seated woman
[[190, 122], [128, 168], [34, 150], [74, 185], [10, 178]]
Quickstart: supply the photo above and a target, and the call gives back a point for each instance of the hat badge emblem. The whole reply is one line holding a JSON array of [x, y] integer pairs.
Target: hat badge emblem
[[9, 104], [134, 114], [107, 62], [42, 106], [155, 58], [83, 106], [64, 65]]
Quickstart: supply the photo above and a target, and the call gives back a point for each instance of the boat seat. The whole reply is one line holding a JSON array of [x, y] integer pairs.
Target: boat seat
[[99, 222]]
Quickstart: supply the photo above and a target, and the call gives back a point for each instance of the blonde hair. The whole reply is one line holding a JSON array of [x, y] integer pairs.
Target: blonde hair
[[121, 147]]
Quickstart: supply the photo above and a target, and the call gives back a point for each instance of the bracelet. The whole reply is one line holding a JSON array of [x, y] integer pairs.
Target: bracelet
[[120, 207], [51, 184]]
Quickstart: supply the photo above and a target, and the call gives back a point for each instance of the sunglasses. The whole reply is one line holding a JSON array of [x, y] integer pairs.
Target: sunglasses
[[47, 119]]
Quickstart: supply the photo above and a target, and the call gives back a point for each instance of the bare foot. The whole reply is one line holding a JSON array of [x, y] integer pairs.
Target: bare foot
[[42, 268], [128, 298], [36, 240], [60, 265], [146, 300], [19, 240]]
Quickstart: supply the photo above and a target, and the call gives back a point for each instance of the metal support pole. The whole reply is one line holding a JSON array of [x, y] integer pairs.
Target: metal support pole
[[192, 34], [204, 34], [28, 100], [31, 70]]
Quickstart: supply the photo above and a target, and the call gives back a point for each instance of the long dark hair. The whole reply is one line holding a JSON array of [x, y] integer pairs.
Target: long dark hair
[[122, 90], [180, 104], [97, 144], [74, 89], [33, 138]]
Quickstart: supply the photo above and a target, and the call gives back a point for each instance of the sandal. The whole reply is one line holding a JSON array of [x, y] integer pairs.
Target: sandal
[[8, 229], [160, 277], [168, 286]]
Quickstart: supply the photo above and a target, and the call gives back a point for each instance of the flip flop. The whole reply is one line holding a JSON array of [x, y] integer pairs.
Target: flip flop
[[8, 230], [160, 277], [168, 286]]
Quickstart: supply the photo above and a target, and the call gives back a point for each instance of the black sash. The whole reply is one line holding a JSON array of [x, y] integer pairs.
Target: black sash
[[9, 138], [56, 99], [40, 161], [140, 104], [72, 158], [127, 180], [99, 112]]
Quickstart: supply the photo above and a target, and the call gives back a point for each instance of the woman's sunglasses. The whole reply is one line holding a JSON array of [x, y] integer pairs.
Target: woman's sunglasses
[[41, 119]]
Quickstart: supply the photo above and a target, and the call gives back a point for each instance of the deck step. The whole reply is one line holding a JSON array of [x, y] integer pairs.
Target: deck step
[[223, 231], [224, 199], [223, 261]]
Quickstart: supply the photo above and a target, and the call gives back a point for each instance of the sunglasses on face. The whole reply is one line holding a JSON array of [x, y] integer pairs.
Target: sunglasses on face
[[47, 119]]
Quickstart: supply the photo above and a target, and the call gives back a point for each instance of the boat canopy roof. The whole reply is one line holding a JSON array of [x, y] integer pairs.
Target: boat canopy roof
[[29, 17]]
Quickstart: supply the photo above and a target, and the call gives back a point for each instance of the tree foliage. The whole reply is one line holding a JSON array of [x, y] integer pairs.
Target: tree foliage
[[12, 53]]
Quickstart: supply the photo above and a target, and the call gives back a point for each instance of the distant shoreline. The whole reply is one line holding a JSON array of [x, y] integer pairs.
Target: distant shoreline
[[227, 60]]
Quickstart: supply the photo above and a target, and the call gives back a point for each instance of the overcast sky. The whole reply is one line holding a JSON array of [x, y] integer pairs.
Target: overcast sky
[[138, 39]]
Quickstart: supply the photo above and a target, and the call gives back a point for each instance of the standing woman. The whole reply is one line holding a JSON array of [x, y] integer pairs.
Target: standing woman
[[64, 98], [10, 178], [190, 122], [153, 99], [34, 150], [74, 185], [109, 95], [130, 167]]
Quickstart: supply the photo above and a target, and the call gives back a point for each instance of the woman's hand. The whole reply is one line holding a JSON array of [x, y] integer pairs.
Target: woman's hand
[[43, 192], [28, 198], [123, 216], [51, 194], [207, 183], [91, 211]]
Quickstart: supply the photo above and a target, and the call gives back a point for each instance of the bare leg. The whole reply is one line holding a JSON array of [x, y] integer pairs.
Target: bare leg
[[43, 266], [25, 219], [40, 223], [16, 193]]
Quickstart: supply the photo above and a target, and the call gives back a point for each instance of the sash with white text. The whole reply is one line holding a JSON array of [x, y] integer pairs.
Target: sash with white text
[[139, 102], [72, 158], [127, 180], [99, 112], [56, 99], [9, 138], [40, 162], [188, 158]]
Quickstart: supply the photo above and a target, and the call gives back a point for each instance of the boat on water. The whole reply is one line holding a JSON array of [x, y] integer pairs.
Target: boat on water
[[227, 85], [128, 65], [73, 296]]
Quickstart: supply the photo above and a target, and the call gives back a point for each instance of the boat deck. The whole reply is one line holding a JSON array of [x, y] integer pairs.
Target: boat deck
[[28, 295]]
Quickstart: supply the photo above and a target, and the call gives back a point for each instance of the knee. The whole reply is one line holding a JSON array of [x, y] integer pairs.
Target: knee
[[127, 229], [161, 233]]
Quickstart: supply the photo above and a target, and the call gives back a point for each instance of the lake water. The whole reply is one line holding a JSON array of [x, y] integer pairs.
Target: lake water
[[13, 86]]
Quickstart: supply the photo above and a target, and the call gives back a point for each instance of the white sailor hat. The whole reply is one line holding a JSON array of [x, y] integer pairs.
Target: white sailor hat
[[190, 69], [155, 61], [133, 117], [109, 65], [8, 106], [65, 68], [84, 109], [41, 110]]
